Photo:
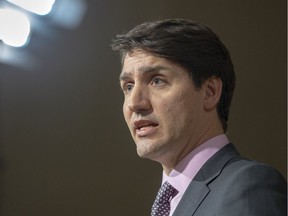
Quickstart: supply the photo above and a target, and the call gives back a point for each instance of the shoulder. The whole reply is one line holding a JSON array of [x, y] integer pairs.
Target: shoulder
[[228, 161], [251, 187], [238, 186], [249, 171]]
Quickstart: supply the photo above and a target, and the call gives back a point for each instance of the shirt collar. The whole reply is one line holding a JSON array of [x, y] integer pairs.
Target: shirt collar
[[184, 172]]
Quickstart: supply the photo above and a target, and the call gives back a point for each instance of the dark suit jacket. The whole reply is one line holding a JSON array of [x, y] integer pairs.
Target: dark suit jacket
[[229, 185]]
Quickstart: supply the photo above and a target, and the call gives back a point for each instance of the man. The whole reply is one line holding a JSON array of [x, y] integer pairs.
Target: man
[[178, 81]]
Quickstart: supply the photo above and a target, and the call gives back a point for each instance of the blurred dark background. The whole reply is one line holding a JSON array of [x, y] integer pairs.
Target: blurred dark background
[[64, 146]]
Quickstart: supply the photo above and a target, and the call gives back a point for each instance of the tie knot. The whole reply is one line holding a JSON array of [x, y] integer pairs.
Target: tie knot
[[165, 193], [161, 206]]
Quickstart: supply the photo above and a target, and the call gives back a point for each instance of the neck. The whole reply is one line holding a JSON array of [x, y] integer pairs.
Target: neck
[[171, 163]]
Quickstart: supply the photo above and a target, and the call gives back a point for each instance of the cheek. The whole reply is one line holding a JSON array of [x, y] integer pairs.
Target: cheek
[[173, 112], [125, 111], [180, 111], [175, 105]]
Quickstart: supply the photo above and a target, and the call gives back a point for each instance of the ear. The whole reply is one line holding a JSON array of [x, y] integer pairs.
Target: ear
[[212, 91]]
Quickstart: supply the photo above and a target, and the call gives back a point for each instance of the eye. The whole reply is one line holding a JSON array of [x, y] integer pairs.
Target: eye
[[158, 81], [127, 87]]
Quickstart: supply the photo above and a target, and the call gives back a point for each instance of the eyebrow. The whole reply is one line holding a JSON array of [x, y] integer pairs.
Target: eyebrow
[[145, 69]]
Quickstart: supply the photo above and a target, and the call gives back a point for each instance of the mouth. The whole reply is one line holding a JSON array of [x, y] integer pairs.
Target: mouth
[[145, 127]]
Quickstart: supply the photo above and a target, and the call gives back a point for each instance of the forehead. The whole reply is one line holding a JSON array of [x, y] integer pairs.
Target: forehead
[[141, 58], [141, 62]]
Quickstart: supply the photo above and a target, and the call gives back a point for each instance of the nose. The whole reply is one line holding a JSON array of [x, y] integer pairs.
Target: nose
[[139, 100]]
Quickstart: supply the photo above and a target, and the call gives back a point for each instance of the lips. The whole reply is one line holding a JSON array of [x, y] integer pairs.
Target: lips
[[145, 127]]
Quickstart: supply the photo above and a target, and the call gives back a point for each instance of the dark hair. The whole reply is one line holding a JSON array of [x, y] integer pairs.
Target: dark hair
[[192, 45]]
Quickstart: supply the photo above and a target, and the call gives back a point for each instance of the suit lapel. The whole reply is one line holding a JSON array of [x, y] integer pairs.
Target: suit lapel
[[198, 189], [188, 203]]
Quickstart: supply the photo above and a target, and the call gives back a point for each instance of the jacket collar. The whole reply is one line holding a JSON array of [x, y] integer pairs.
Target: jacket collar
[[198, 189]]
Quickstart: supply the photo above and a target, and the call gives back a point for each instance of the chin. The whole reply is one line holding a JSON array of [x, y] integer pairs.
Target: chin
[[142, 153], [149, 150], [144, 149]]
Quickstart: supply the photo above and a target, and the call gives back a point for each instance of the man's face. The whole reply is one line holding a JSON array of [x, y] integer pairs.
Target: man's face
[[162, 107]]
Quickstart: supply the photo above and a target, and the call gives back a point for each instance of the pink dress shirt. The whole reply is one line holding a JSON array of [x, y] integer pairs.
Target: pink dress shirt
[[184, 172]]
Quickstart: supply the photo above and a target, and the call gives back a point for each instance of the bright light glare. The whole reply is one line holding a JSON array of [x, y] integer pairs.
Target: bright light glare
[[71, 20], [14, 27], [40, 7]]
